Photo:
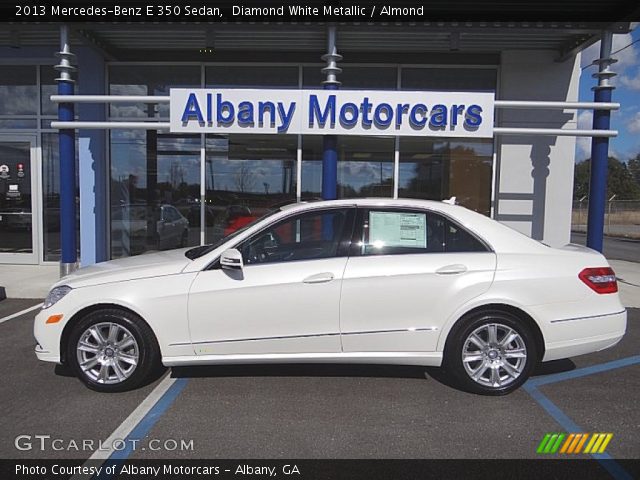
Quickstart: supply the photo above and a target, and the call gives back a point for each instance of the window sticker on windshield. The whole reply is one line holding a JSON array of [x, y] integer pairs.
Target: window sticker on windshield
[[391, 229]]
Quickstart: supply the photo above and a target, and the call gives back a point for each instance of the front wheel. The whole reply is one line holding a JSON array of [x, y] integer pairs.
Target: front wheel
[[493, 353], [112, 351]]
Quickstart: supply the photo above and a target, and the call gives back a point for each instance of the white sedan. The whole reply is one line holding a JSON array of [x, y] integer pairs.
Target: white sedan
[[407, 282]]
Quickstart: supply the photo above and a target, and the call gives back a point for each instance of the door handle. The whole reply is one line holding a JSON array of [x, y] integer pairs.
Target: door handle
[[452, 269], [319, 278]]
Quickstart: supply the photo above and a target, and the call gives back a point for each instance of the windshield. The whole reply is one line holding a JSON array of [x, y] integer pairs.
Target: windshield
[[198, 252]]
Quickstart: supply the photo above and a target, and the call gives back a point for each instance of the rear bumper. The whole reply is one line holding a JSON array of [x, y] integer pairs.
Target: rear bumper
[[585, 335]]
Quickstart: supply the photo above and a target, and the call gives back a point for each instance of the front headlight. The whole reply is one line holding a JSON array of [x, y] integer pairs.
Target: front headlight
[[55, 295]]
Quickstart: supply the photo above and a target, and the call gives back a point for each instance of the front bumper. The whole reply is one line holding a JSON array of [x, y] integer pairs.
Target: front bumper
[[47, 336], [45, 355]]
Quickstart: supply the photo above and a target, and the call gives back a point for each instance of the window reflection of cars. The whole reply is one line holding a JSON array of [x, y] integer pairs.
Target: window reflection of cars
[[15, 219], [159, 227], [237, 217]]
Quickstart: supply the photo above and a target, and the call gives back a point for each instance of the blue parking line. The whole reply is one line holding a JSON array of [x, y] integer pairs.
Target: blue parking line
[[142, 429], [150, 419], [582, 372], [531, 387], [558, 415]]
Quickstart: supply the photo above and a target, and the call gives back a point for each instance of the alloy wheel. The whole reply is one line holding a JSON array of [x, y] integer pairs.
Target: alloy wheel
[[107, 353], [494, 355]]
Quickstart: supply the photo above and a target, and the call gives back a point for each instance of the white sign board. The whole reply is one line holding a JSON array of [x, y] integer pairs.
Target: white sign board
[[337, 112], [392, 229]]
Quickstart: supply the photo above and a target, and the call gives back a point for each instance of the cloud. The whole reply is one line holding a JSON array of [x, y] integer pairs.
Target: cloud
[[631, 81], [634, 123], [583, 144], [628, 57]]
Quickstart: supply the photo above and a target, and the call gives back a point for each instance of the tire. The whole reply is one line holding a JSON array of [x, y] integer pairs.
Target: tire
[[113, 350], [184, 239], [490, 366]]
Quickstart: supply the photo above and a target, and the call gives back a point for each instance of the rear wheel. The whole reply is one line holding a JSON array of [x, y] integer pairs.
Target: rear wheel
[[112, 351], [493, 353]]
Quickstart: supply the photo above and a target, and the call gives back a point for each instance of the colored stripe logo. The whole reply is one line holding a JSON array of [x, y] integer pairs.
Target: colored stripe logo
[[574, 443]]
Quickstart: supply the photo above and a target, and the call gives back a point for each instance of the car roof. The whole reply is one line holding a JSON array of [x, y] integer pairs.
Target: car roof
[[499, 236], [368, 201]]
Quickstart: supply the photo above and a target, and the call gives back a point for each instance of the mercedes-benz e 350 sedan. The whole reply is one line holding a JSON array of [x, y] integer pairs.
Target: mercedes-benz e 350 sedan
[[370, 281]]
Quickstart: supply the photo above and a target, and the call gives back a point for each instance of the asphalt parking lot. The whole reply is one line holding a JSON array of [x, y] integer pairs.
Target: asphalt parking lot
[[318, 411]]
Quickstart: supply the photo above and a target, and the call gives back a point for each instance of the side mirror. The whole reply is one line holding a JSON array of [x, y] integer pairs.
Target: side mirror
[[231, 260]]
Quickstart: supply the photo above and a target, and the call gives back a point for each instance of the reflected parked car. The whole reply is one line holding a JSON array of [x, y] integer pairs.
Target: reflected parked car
[[237, 217], [141, 227], [410, 282], [16, 219]]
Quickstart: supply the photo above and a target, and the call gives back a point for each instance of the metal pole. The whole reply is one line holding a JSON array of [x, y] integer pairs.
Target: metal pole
[[600, 147], [67, 146], [330, 142]]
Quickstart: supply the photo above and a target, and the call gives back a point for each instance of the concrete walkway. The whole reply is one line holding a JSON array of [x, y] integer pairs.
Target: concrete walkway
[[628, 274], [34, 281], [28, 281]]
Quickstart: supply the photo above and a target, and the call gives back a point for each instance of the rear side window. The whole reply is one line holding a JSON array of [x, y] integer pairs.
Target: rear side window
[[395, 232]]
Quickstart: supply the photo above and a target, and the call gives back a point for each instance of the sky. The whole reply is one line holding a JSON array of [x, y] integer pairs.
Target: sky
[[627, 92]]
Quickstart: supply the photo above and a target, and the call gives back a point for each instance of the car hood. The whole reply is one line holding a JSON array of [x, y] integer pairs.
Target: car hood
[[148, 265]]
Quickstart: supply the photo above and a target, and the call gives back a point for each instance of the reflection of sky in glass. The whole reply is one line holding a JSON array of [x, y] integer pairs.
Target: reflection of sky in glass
[[49, 87], [19, 100], [261, 163], [148, 80], [18, 90], [182, 163]]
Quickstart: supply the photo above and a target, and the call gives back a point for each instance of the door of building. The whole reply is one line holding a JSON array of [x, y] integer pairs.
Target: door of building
[[19, 227]]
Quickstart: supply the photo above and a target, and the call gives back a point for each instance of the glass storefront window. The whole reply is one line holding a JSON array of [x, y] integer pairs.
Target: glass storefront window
[[438, 169], [18, 90], [225, 76], [245, 175], [449, 79], [23, 123], [16, 212], [352, 77], [155, 191], [365, 166], [148, 80], [48, 87]]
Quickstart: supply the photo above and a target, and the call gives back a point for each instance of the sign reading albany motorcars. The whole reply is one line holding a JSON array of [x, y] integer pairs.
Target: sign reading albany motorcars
[[341, 112]]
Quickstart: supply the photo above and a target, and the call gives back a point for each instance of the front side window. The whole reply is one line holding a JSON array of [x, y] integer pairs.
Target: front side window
[[394, 232], [309, 236]]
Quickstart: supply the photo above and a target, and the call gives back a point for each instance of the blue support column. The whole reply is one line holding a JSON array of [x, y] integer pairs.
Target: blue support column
[[330, 142], [92, 163], [330, 163], [600, 148], [67, 141]]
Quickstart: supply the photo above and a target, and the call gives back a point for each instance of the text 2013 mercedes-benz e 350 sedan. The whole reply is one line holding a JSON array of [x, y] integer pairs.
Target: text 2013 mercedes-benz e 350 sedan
[[368, 280]]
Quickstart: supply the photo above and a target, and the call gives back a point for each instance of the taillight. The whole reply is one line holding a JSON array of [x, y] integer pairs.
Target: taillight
[[600, 279]]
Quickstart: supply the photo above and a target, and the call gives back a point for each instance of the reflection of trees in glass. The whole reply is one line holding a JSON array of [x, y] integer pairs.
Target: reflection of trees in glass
[[244, 179]]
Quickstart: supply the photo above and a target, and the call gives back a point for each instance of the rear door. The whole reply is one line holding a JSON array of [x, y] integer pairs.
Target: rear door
[[408, 271]]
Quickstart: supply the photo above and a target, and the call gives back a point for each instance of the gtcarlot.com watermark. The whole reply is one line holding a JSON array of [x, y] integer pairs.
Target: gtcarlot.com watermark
[[44, 443]]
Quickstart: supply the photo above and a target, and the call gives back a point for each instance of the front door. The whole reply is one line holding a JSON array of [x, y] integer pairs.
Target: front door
[[286, 298], [18, 225]]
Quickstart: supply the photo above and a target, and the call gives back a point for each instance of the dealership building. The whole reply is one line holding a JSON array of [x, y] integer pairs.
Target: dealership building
[[147, 181]]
